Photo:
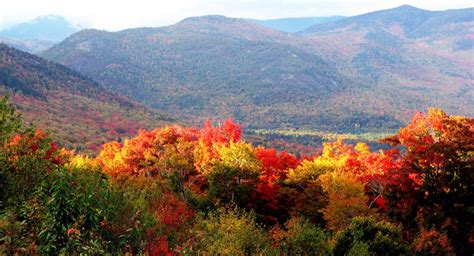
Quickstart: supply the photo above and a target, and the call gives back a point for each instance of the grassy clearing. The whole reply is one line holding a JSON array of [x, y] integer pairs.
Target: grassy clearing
[[328, 136]]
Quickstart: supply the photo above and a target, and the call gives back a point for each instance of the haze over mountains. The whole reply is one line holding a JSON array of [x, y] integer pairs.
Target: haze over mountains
[[367, 72], [39, 34], [293, 25], [80, 113]]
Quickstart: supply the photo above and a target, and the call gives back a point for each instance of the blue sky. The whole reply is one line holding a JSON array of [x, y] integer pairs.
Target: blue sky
[[121, 14]]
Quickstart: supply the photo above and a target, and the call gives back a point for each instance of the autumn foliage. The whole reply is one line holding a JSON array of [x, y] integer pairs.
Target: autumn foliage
[[188, 187]]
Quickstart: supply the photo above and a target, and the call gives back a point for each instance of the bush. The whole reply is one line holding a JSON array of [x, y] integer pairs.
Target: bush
[[431, 242], [25, 162], [83, 214], [233, 232], [10, 121], [365, 234], [71, 210], [301, 237]]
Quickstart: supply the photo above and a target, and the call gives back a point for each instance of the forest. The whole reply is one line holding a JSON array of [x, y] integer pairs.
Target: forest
[[179, 190]]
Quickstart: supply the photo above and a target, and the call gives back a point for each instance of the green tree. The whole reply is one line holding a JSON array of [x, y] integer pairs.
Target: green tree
[[365, 234], [300, 237], [233, 177], [233, 232], [10, 121]]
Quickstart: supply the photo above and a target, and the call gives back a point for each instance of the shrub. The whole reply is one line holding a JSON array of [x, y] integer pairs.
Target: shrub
[[233, 232], [431, 242], [380, 238], [301, 237], [10, 122]]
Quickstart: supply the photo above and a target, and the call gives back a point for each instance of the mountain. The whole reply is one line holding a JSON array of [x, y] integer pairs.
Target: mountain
[[39, 34], [359, 78], [406, 20], [50, 28], [425, 55], [292, 25], [27, 45], [80, 113], [209, 67]]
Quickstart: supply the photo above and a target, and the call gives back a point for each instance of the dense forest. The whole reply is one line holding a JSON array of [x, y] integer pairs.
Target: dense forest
[[184, 191]]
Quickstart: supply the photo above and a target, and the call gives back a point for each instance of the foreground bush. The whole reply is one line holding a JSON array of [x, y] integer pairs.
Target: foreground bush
[[300, 237], [233, 232], [367, 236]]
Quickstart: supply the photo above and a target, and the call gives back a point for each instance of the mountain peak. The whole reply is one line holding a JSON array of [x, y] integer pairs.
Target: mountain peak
[[49, 27], [406, 16], [218, 24], [407, 7], [404, 9]]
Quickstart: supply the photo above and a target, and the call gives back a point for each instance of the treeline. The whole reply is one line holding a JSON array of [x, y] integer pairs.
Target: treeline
[[179, 190]]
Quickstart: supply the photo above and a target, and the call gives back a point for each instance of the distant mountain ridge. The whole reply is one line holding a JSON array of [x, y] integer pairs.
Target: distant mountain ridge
[[413, 21], [334, 76], [39, 34], [50, 28], [408, 46], [80, 113], [27, 45]]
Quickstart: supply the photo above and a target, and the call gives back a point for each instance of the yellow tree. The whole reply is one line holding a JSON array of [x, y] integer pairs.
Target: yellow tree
[[234, 174], [346, 199]]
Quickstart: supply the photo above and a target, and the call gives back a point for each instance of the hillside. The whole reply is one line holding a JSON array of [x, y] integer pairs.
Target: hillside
[[424, 57], [296, 24], [27, 45], [80, 113], [213, 67], [406, 20]]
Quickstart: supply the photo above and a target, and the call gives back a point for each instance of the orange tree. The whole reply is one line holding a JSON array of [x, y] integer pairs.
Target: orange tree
[[435, 184]]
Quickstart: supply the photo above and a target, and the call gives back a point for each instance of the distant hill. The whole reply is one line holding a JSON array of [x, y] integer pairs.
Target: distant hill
[[80, 113], [211, 67], [293, 25], [427, 55], [405, 22], [38, 34], [353, 78], [49, 28], [27, 45]]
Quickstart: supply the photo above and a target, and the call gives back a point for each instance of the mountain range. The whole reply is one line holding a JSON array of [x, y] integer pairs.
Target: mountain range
[[79, 112], [361, 73], [43, 32], [38, 34]]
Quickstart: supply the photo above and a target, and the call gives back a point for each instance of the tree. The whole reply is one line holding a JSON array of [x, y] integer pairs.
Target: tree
[[234, 176], [300, 237], [365, 234], [431, 242], [346, 199], [10, 121], [233, 232], [211, 139], [333, 158], [435, 184], [25, 161]]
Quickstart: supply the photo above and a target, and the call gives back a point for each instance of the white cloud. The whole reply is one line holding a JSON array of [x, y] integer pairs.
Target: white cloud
[[120, 14]]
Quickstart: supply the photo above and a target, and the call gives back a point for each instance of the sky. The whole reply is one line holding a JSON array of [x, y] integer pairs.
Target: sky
[[120, 14]]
